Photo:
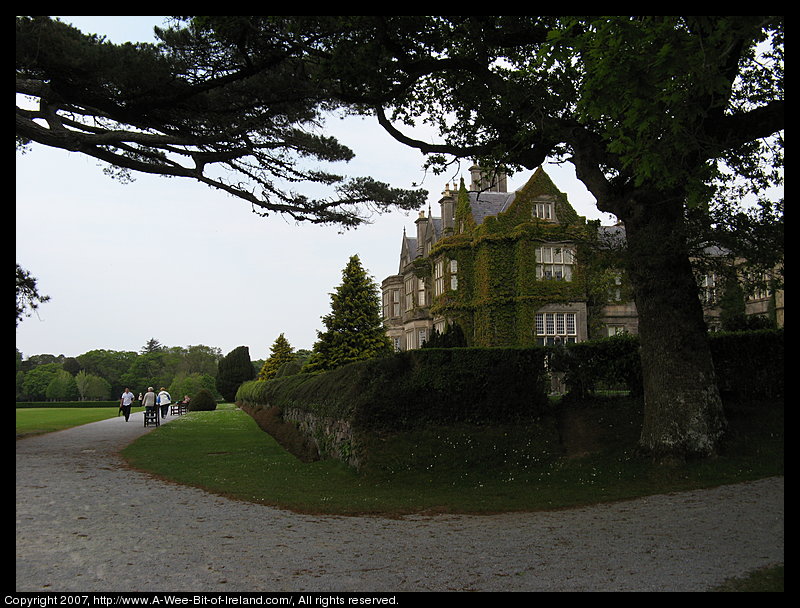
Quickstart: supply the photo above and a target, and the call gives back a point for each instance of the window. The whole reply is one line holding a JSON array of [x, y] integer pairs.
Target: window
[[708, 289], [615, 293], [416, 338], [421, 292], [391, 303], [438, 278], [554, 262], [409, 284], [556, 327], [543, 211], [615, 330], [454, 275]]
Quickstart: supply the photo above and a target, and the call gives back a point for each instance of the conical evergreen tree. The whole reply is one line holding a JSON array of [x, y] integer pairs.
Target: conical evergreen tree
[[233, 369], [281, 352], [354, 328]]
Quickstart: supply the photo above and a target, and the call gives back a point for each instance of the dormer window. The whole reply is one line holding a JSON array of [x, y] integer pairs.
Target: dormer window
[[543, 211]]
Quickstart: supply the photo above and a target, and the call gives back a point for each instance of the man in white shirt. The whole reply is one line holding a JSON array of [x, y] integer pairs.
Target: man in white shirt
[[125, 402]]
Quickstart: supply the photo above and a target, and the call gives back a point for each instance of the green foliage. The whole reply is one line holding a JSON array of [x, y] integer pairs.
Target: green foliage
[[233, 369], [37, 380], [191, 384], [290, 368], [92, 387], [146, 370], [108, 364], [260, 120], [67, 404], [62, 387], [417, 387], [451, 337], [203, 401], [608, 363], [281, 353], [748, 365], [28, 297], [354, 328]]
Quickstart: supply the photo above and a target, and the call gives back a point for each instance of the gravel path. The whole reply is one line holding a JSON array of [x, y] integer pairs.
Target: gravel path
[[86, 523]]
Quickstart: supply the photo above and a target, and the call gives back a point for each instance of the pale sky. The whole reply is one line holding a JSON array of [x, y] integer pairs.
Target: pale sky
[[174, 260]]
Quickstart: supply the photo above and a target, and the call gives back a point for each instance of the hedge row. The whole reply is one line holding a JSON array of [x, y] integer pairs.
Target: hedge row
[[749, 365], [499, 385], [413, 388], [34, 404]]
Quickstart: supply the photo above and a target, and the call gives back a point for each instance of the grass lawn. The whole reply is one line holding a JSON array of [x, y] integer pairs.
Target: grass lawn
[[35, 421], [452, 469]]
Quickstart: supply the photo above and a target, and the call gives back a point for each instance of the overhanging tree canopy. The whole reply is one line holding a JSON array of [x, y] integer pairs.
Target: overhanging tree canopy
[[662, 117], [190, 107]]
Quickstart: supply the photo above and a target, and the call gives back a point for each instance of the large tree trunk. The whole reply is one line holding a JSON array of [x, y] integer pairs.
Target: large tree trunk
[[683, 415]]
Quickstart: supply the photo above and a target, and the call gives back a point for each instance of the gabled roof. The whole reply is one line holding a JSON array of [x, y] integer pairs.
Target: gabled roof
[[408, 250], [487, 204]]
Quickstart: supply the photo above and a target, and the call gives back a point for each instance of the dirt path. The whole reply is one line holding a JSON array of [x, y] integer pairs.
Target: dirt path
[[84, 522]]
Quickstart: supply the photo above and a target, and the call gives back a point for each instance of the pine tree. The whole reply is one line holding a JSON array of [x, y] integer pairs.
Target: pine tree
[[354, 328], [280, 353], [233, 369]]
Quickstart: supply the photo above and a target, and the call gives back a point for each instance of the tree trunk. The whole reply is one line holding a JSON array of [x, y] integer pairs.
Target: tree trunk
[[683, 415]]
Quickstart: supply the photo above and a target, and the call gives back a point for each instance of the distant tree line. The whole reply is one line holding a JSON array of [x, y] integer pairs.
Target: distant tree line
[[101, 374]]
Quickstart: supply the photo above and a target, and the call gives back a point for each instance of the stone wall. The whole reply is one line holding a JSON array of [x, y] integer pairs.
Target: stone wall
[[306, 435], [334, 438]]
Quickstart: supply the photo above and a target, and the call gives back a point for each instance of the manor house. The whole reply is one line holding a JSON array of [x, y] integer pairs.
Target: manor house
[[514, 269]]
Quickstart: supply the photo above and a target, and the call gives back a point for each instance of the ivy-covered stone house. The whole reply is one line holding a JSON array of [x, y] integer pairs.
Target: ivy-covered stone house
[[510, 269]]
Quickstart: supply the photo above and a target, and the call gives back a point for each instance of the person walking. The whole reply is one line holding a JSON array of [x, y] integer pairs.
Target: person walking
[[125, 402], [163, 401], [149, 399]]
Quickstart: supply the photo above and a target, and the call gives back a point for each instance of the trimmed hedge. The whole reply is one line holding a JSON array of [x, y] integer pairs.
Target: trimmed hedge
[[749, 365], [418, 387], [34, 404], [606, 363]]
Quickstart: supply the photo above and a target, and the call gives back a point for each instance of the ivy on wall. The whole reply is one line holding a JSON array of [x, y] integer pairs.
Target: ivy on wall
[[498, 292]]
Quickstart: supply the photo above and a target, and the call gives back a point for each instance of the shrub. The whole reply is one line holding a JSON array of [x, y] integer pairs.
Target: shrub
[[203, 401], [233, 369], [606, 363]]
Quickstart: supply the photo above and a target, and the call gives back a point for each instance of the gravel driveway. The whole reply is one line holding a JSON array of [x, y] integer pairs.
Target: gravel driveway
[[84, 522]]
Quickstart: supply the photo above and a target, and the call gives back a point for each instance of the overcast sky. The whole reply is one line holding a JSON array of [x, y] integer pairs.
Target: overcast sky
[[174, 260]]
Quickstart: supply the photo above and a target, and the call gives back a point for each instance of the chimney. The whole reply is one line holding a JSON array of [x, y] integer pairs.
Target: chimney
[[448, 205], [480, 180], [422, 232]]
